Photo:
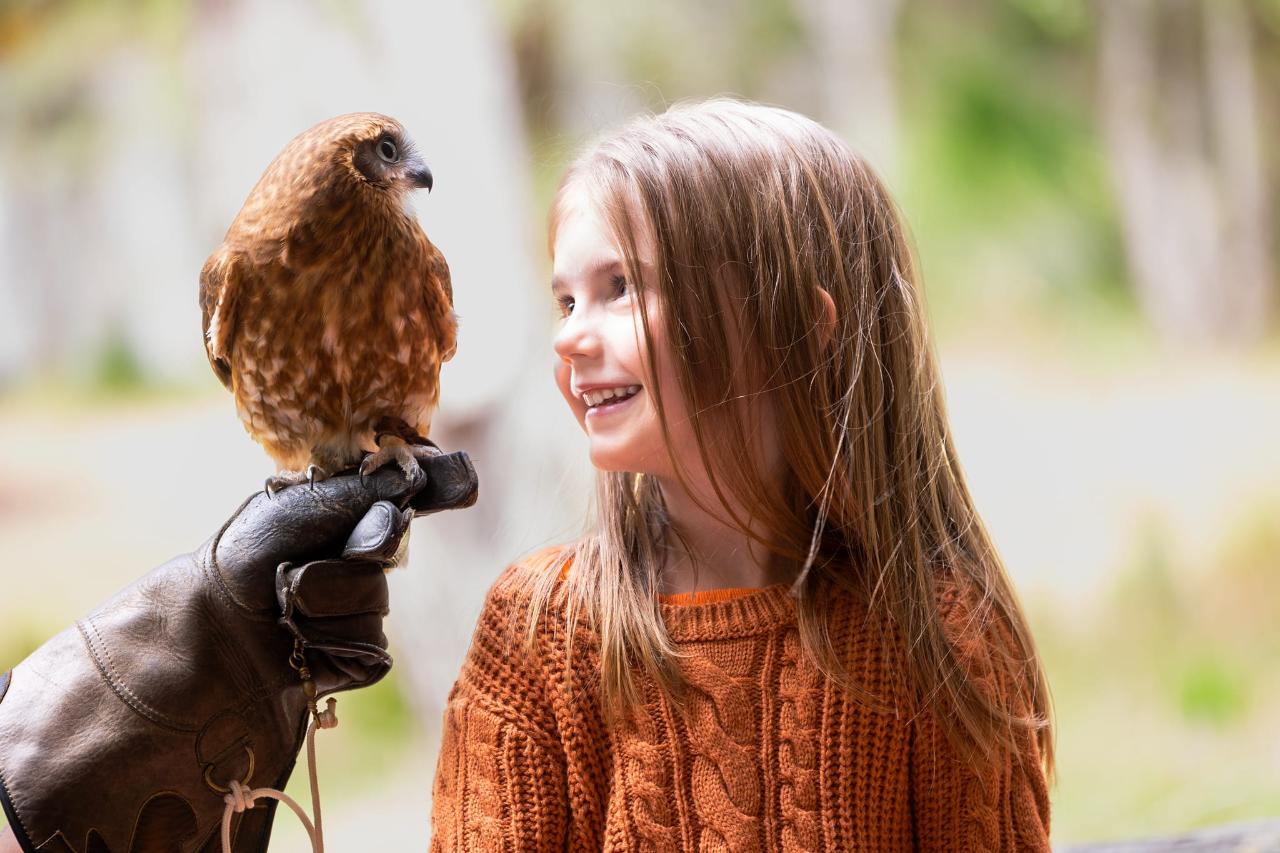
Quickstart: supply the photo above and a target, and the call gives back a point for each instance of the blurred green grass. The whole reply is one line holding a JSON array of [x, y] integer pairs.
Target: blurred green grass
[[1168, 699]]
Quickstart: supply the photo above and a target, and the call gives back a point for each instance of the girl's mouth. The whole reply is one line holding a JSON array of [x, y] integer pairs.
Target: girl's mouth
[[611, 405]]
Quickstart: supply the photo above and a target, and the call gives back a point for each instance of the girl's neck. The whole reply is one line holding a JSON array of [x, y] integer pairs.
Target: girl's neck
[[709, 554]]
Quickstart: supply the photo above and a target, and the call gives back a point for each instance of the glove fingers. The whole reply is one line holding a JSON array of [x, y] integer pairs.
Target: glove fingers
[[301, 522], [377, 536], [451, 484], [341, 636], [348, 667], [333, 588]]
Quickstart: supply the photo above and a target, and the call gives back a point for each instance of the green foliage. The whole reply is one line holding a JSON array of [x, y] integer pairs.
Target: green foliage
[[1058, 19], [1005, 182], [379, 714], [1211, 691], [1269, 14], [117, 367]]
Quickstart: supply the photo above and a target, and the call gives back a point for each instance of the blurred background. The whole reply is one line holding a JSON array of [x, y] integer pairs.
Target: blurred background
[[1092, 189]]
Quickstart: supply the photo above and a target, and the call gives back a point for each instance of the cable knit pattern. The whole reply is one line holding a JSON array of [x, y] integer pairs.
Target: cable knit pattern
[[770, 756], [648, 774], [722, 737], [800, 685]]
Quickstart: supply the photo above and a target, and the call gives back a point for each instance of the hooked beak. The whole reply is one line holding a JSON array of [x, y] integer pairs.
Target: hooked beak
[[420, 175]]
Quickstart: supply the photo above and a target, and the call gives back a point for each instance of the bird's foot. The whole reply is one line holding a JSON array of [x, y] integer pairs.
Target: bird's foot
[[391, 449], [311, 476]]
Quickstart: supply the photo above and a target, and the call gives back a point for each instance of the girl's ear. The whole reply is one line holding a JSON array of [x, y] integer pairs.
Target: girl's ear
[[826, 325]]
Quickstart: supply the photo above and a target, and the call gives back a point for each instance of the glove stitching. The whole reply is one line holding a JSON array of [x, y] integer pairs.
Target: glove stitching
[[106, 670], [213, 570]]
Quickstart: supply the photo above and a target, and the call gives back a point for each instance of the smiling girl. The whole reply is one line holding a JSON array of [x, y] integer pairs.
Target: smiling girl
[[786, 627]]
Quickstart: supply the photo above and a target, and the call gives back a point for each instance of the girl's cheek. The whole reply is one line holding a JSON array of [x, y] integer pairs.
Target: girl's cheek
[[563, 374]]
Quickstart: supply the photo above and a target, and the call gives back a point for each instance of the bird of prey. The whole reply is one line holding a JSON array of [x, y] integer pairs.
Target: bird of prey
[[327, 312]]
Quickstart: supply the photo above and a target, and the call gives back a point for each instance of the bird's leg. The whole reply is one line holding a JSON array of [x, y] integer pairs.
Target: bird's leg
[[280, 479], [393, 448]]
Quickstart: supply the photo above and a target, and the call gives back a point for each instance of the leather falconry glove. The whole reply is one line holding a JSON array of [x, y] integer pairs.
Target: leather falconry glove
[[122, 733]]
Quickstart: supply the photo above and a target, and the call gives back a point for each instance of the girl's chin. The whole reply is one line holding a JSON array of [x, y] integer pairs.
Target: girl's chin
[[623, 459], [610, 462], [615, 458]]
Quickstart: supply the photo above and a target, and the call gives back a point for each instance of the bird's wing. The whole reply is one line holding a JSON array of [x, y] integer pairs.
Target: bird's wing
[[438, 284], [440, 272], [220, 286]]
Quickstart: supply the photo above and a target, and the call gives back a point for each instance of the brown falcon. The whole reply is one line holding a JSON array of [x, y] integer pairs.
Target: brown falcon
[[327, 311]]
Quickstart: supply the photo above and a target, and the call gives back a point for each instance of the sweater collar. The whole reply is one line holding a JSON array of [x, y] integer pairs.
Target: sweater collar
[[757, 612]]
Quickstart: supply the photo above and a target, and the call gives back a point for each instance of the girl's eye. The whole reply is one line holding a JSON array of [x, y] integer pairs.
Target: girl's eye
[[565, 303]]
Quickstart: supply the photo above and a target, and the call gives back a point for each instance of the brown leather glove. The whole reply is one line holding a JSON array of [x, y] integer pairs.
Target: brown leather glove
[[121, 734]]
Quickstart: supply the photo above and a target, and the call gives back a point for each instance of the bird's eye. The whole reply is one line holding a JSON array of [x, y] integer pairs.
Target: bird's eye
[[387, 151]]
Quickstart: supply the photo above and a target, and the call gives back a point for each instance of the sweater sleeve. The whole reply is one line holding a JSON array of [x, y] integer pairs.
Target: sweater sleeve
[[500, 782], [1005, 807]]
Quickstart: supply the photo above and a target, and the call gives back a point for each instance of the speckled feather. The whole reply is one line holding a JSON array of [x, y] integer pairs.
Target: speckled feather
[[326, 307]]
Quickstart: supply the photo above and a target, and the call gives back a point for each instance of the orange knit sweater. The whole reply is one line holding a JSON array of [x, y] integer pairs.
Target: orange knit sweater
[[771, 756]]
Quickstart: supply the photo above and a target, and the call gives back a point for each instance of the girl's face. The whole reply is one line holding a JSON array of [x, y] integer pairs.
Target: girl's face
[[600, 347]]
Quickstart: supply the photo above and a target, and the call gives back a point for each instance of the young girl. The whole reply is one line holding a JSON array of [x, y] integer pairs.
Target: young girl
[[787, 628]]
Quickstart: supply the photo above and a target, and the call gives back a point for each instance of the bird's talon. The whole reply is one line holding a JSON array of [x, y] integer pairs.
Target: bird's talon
[[394, 450], [285, 479]]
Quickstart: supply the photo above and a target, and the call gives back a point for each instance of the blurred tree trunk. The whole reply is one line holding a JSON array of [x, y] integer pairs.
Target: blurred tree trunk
[[854, 46], [1180, 114]]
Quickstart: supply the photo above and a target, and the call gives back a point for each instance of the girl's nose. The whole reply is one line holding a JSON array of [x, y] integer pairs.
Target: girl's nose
[[576, 339]]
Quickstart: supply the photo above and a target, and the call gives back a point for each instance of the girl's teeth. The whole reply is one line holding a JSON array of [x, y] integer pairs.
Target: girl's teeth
[[595, 398]]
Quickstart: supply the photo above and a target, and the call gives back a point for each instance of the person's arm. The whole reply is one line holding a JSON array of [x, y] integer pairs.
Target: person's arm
[[500, 780], [1005, 806], [127, 730], [8, 844]]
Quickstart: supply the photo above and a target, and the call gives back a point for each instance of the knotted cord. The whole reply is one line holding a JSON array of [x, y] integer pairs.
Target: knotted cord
[[241, 797]]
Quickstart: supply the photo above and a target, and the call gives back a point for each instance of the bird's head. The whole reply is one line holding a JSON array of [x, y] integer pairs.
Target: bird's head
[[380, 153]]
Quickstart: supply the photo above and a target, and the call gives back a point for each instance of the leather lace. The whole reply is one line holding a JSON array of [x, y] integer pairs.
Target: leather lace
[[241, 797]]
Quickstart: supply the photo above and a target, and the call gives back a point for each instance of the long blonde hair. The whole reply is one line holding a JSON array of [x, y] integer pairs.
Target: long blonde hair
[[751, 210]]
